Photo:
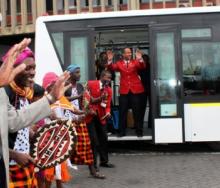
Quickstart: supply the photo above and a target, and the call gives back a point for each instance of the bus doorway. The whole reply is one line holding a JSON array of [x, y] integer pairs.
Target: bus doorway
[[116, 39], [166, 79]]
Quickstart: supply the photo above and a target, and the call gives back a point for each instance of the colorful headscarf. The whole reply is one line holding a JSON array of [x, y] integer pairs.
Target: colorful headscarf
[[48, 79], [26, 53], [72, 68], [63, 102]]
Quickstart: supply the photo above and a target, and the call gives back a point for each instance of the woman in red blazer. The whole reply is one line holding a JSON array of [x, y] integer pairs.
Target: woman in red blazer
[[131, 88]]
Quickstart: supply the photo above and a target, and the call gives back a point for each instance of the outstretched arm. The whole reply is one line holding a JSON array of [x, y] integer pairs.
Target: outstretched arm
[[18, 119], [110, 65]]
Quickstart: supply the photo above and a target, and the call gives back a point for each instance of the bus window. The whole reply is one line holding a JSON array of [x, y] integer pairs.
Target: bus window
[[79, 55], [196, 33], [166, 74], [201, 68], [58, 44]]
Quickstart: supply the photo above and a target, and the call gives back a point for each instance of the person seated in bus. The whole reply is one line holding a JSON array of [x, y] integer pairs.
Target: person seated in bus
[[131, 89], [211, 77]]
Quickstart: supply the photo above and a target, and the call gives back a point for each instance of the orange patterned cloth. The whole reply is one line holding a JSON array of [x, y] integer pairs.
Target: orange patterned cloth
[[21, 177], [82, 155], [50, 173], [27, 92], [64, 104]]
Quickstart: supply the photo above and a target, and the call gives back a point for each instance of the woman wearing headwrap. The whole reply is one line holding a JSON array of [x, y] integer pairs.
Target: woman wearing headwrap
[[20, 93], [83, 153], [60, 172]]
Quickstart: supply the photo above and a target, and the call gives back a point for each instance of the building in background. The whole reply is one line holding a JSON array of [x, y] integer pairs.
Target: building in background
[[19, 16]]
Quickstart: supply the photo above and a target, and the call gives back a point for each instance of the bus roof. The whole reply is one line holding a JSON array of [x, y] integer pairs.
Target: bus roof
[[114, 14]]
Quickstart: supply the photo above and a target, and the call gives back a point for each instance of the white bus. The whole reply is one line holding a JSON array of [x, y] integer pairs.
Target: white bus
[[184, 49]]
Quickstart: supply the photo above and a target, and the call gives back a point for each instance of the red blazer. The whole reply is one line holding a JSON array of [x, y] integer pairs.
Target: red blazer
[[129, 78], [95, 92]]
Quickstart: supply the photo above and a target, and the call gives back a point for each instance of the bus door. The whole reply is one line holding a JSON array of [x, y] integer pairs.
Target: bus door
[[166, 88], [79, 50]]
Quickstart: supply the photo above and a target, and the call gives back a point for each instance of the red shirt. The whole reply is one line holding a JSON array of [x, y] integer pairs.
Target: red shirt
[[129, 78], [95, 92]]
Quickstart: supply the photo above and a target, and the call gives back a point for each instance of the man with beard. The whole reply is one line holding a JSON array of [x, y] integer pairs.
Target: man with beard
[[20, 93], [12, 120], [83, 153]]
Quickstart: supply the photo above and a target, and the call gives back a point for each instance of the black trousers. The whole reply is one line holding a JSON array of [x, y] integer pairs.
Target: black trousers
[[136, 102], [2, 174], [99, 140], [144, 105]]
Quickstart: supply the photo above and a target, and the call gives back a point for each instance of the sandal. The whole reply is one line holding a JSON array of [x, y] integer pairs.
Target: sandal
[[98, 176]]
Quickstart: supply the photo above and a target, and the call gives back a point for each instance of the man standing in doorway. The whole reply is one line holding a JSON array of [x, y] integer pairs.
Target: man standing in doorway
[[131, 89]]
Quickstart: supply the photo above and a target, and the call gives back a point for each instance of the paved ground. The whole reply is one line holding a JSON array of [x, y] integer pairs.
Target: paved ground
[[155, 170]]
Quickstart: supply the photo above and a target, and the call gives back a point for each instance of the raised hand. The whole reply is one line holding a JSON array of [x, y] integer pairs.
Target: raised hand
[[110, 55], [138, 54], [60, 87], [7, 70]]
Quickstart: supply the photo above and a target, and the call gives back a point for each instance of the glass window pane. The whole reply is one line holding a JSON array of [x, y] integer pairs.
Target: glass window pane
[[58, 42], [195, 33], [18, 4], [60, 5], [144, 1], [79, 55], [122, 2], [109, 3], [166, 74], [29, 6], [72, 4], [96, 2], [84, 3], [201, 68]]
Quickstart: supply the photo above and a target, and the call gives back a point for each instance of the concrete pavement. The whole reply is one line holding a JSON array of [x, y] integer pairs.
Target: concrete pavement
[[155, 170]]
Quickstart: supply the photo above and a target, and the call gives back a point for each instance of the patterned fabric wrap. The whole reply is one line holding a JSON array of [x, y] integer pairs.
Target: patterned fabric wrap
[[26, 53], [48, 79], [83, 153], [63, 103], [22, 177], [50, 173], [27, 92]]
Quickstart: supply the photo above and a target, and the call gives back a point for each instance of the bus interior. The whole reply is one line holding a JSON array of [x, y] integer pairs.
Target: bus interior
[[116, 39]]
